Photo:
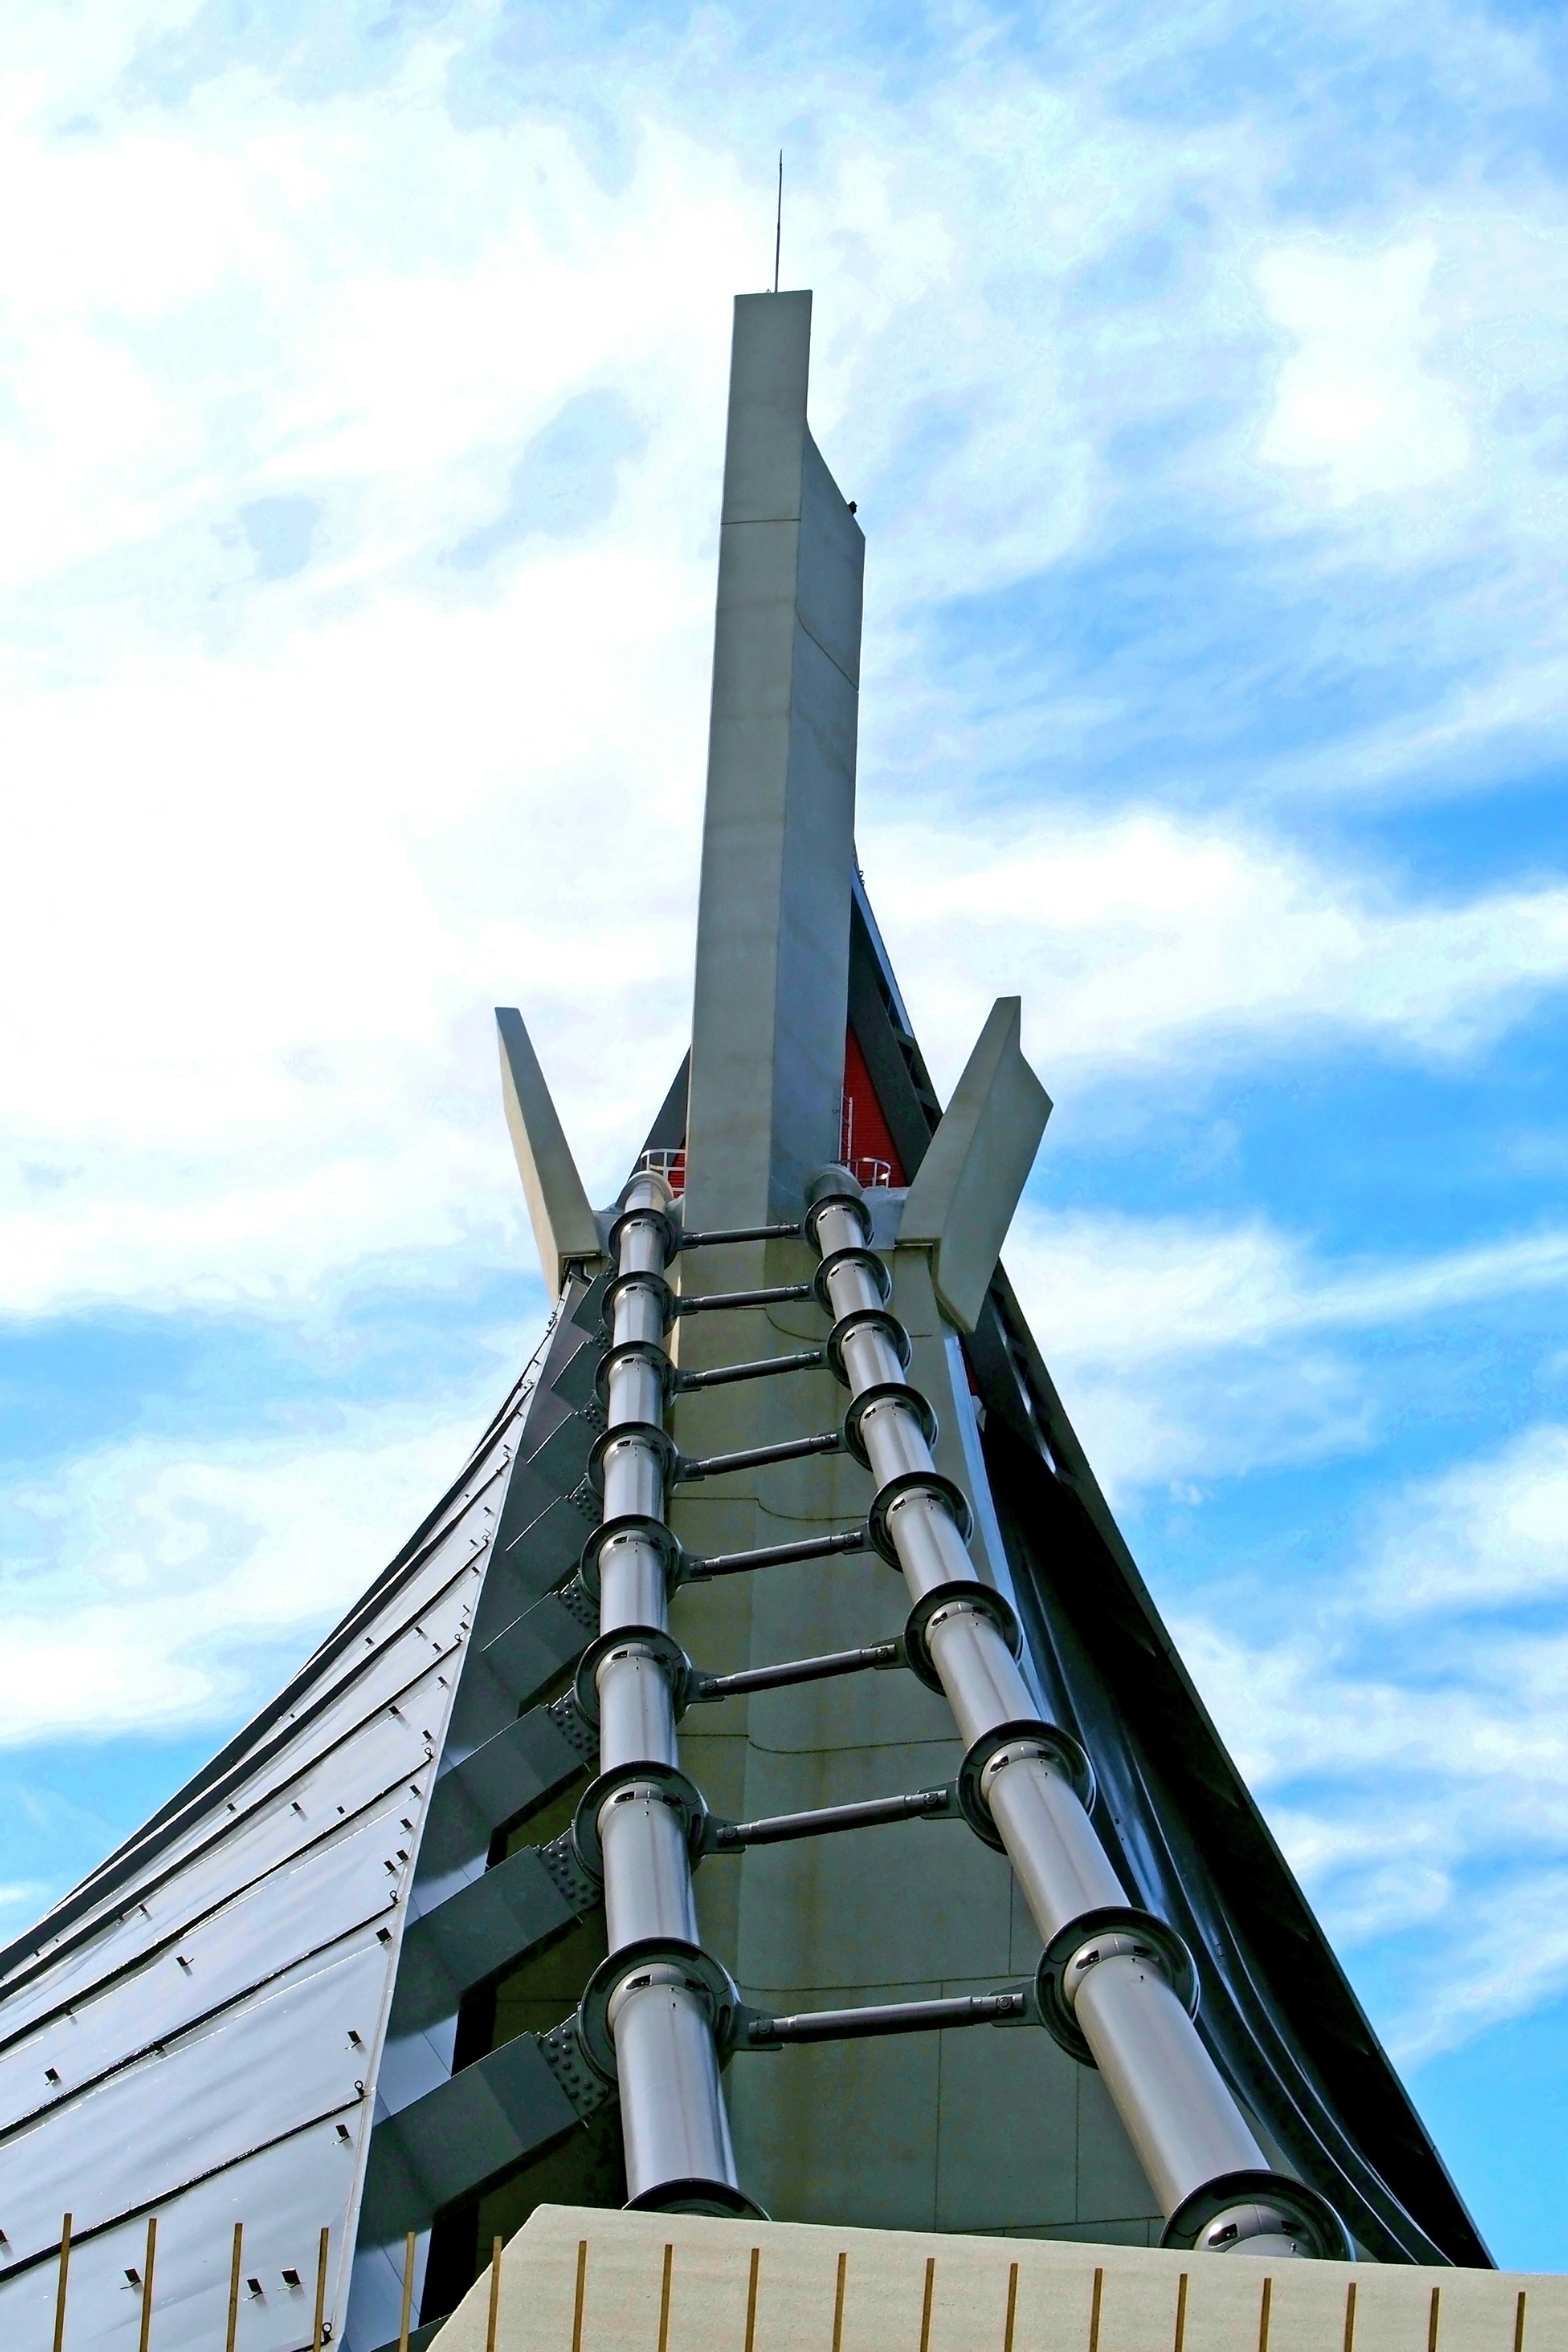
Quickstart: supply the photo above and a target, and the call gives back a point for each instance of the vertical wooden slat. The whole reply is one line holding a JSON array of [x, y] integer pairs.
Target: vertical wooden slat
[[65, 2275], [150, 2258], [1264, 2310], [925, 2307], [1179, 2340], [1349, 2317], [491, 2324], [838, 2303], [1518, 2314], [1095, 2302], [582, 2291], [751, 2300], [320, 2290], [236, 2258], [1012, 2307], [664, 2299], [1432, 2320], [408, 2246]]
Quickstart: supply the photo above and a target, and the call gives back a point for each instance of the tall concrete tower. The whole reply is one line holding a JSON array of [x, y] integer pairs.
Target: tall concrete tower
[[764, 1785]]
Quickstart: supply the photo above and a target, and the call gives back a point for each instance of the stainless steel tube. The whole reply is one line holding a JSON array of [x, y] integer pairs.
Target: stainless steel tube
[[673, 2106], [1178, 2110]]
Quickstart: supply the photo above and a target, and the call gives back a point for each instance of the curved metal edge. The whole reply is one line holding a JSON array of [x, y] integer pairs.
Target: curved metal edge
[[886, 1393], [647, 1431], [833, 1188], [913, 1482], [1319, 2224], [593, 2020], [715, 2197], [1061, 1748], [653, 1531], [631, 1351], [667, 1778], [865, 1318], [971, 1591], [856, 1255], [621, 1283], [1170, 1949], [654, 1638]]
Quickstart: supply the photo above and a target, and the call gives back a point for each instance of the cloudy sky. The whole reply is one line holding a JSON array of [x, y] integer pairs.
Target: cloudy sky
[[1200, 373]]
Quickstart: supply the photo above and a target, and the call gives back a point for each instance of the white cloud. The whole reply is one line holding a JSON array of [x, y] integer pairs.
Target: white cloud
[[147, 1584], [285, 843], [1145, 938], [1356, 399]]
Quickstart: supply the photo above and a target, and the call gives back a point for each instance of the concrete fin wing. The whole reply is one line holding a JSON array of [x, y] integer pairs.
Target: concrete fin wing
[[968, 1185], [558, 1207]]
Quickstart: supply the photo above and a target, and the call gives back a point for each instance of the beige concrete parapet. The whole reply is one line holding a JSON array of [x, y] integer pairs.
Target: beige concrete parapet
[[576, 2279]]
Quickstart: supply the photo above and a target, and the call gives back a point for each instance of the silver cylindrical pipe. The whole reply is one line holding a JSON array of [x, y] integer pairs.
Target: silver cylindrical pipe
[[648, 1875], [1162, 2080], [636, 1711], [636, 1391], [633, 1471], [663, 2034], [634, 1585], [1180, 2113], [666, 2062]]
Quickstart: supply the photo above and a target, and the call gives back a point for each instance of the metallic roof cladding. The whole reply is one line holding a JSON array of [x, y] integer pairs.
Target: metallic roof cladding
[[196, 2031]]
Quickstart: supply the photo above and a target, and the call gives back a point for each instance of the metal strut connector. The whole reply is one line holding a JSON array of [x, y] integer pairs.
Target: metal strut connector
[[658, 2006], [1114, 1981]]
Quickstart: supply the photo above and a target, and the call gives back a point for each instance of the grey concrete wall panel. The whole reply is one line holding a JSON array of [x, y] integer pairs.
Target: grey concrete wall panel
[[563, 1227], [973, 1176], [767, 1060]]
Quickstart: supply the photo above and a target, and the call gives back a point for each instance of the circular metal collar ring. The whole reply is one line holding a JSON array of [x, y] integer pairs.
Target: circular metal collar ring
[[885, 1393], [620, 1530], [930, 1483], [868, 1263], [1055, 1745], [1133, 1934], [866, 1318], [1305, 2213], [704, 1975], [652, 1641], [673, 1787], [968, 1593]]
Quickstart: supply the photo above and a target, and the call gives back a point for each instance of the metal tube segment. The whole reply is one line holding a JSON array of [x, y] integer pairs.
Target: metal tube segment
[[870, 1813], [886, 2016], [875, 1658], [757, 1457], [676, 2130], [1178, 2110], [696, 1570]]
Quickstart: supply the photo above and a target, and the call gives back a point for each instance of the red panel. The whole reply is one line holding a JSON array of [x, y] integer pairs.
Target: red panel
[[867, 1144]]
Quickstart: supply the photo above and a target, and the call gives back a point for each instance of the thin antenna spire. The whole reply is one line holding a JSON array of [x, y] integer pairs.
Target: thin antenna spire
[[778, 223]]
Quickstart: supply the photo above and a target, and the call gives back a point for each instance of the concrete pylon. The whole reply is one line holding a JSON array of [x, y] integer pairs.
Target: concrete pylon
[[773, 922], [356, 1979]]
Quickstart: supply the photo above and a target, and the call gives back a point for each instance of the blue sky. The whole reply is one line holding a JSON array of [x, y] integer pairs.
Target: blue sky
[[1201, 374]]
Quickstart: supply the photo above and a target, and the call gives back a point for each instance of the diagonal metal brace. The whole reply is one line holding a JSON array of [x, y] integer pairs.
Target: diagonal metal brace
[[923, 1804], [778, 1296], [875, 1657], [805, 1360], [755, 1458], [759, 2032], [739, 1234], [695, 1570]]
